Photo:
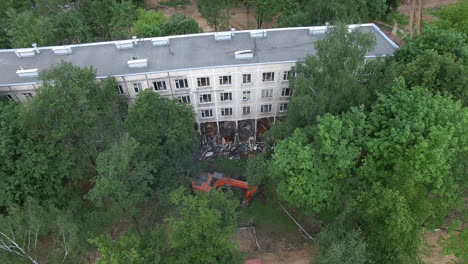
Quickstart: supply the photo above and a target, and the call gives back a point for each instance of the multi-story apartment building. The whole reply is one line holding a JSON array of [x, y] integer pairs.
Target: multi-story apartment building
[[232, 79]]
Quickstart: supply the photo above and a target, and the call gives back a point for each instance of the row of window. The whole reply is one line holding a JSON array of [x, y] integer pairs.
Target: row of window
[[224, 97], [266, 108], [205, 81]]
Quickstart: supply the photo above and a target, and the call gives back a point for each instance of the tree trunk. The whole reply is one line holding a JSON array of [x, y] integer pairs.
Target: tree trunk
[[420, 13], [411, 22]]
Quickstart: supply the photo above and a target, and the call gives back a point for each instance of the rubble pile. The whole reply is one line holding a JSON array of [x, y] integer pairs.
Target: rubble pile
[[210, 151]]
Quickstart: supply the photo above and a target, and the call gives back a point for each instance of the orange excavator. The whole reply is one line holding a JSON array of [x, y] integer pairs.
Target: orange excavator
[[207, 181]]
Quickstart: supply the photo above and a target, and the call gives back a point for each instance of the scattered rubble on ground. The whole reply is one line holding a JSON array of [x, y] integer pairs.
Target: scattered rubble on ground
[[229, 150]]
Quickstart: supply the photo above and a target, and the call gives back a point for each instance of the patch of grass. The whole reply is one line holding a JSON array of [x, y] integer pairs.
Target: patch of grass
[[268, 217], [174, 3], [234, 168]]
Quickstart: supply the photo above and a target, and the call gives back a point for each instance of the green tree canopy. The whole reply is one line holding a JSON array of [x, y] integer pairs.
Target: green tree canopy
[[454, 17], [442, 41], [327, 83], [149, 23], [201, 230], [391, 171], [164, 131]]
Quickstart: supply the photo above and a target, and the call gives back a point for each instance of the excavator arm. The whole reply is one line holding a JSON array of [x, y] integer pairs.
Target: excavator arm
[[251, 190]]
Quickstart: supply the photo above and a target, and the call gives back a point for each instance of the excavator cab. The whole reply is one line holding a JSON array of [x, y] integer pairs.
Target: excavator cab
[[207, 181]]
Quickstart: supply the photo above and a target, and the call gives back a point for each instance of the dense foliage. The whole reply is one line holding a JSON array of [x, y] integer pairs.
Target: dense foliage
[[405, 155], [58, 22]]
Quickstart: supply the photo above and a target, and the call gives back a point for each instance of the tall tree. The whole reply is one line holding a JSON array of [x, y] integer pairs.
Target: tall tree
[[56, 136], [392, 171], [202, 227], [24, 29], [265, 10], [149, 24], [122, 183], [327, 83], [216, 12]]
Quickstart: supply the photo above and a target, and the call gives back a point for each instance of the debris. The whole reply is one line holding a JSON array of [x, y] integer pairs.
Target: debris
[[209, 154]]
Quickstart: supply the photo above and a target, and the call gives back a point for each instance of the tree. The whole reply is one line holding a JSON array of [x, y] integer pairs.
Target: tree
[[454, 17], [56, 136], [23, 230], [327, 83], [121, 184], [63, 113], [130, 248], [24, 29], [179, 24], [166, 138], [377, 8], [70, 27], [216, 12], [265, 10], [438, 73], [441, 41], [337, 246], [392, 171], [201, 229], [123, 15], [149, 24]]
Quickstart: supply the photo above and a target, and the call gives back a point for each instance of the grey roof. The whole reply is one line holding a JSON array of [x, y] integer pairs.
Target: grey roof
[[184, 52]]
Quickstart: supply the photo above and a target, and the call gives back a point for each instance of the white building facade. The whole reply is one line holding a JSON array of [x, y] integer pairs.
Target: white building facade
[[236, 80]]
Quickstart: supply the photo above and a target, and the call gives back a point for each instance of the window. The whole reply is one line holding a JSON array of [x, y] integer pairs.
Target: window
[[9, 97], [203, 81], [286, 92], [283, 107], [245, 95], [28, 96], [225, 80], [137, 87], [119, 89], [184, 99], [268, 76], [246, 78], [181, 83], [226, 111], [205, 98], [265, 108], [246, 110], [286, 75], [159, 85], [226, 97], [207, 113], [267, 93]]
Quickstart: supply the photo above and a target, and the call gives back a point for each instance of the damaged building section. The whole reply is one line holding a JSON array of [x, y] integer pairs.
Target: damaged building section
[[263, 124]]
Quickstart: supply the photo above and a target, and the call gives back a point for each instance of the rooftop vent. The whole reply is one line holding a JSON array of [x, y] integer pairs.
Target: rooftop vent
[[27, 73], [23, 53], [223, 36], [243, 54], [135, 64], [160, 41], [258, 34], [124, 44], [62, 50], [315, 31]]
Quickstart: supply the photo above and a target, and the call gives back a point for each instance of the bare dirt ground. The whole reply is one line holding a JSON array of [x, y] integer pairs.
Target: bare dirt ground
[[272, 251], [241, 17], [435, 256]]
